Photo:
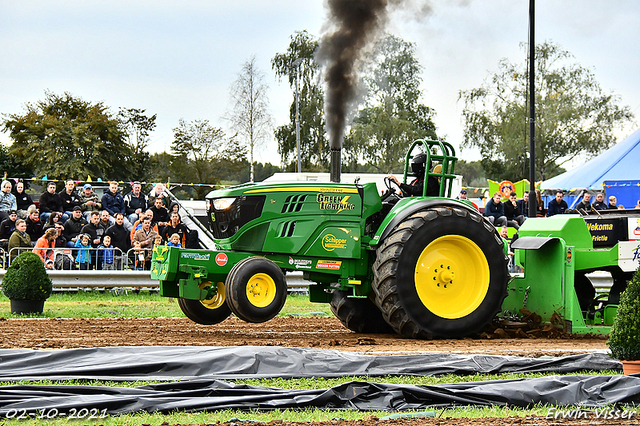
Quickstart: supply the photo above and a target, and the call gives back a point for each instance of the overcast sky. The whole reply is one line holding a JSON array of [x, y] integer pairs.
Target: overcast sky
[[178, 59]]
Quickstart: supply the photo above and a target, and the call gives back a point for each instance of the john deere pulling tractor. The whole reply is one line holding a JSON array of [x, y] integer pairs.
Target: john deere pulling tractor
[[422, 266]]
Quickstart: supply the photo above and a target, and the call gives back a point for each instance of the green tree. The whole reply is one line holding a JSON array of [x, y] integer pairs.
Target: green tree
[[160, 166], [573, 115], [137, 126], [64, 136], [204, 153], [297, 63], [392, 116], [10, 167], [250, 116], [265, 170], [472, 173]]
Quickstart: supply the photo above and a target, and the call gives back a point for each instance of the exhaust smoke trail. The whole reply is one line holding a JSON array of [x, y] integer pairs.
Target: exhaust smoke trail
[[358, 23]]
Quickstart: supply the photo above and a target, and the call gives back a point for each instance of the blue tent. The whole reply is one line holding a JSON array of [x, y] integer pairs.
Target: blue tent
[[618, 163]]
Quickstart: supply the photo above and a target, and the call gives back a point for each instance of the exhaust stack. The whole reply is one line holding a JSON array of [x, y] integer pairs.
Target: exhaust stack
[[335, 165]]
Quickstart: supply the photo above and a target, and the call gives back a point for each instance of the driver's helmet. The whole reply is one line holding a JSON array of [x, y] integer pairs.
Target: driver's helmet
[[418, 164]]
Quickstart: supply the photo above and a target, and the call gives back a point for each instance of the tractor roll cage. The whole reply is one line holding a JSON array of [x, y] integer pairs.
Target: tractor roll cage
[[438, 153]]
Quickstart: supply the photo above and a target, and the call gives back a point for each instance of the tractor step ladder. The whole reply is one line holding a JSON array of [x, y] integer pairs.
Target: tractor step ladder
[[205, 238]]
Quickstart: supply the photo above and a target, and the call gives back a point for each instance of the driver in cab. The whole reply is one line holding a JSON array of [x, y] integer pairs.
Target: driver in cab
[[414, 189]]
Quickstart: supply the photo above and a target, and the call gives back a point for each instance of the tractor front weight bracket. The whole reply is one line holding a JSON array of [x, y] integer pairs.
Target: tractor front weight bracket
[[189, 288]]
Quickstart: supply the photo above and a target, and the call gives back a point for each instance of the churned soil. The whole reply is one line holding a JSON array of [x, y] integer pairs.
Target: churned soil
[[315, 332], [312, 332]]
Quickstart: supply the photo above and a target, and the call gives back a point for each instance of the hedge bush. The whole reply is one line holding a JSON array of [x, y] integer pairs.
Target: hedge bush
[[624, 340], [27, 279]]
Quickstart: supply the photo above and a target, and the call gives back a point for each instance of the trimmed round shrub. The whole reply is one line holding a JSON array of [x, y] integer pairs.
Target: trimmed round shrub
[[624, 340], [27, 279]]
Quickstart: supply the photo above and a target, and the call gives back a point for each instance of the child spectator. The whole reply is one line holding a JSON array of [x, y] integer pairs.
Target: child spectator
[[157, 241], [139, 256], [106, 253], [83, 259], [504, 233], [174, 241], [44, 247]]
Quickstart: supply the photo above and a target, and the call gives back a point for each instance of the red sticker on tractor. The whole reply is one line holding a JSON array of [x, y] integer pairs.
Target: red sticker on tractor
[[221, 259], [328, 264]]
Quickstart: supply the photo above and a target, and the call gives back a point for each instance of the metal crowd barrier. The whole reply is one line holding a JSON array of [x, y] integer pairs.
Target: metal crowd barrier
[[65, 258], [4, 259]]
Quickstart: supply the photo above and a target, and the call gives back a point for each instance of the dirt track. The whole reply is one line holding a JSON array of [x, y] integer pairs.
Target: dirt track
[[317, 332]]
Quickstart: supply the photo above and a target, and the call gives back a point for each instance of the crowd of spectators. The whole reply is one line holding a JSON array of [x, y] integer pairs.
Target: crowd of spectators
[[97, 231], [514, 212], [508, 214]]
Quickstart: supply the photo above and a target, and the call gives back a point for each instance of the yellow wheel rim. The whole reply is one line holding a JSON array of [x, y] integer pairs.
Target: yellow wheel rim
[[452, 276], [217, 300], [261, 290]]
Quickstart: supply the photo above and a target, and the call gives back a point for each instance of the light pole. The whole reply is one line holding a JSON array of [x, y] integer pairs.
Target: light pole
[[296, 65], [532, 111]]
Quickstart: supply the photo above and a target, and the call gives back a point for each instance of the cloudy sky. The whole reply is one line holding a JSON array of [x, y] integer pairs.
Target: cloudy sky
[[178, 59]]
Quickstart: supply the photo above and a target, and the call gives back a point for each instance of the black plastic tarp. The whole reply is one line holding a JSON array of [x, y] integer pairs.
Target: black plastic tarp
[[228, 363], [200, 395]]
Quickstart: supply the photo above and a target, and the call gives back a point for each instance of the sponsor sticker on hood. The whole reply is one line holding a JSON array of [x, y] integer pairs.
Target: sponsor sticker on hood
[[300, 263]]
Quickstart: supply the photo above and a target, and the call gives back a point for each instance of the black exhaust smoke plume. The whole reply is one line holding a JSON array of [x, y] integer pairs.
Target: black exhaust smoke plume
[[358, 22]]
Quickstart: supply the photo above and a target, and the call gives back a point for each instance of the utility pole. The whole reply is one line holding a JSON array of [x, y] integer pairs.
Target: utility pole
[[532, 112], [296, 64]]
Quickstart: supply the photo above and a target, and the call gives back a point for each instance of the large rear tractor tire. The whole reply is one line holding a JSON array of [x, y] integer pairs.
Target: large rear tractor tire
[[441, 273], [206, 312], [358, 314], [256, 289]]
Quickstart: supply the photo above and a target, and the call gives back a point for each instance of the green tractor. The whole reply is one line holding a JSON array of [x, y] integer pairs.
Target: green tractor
[[424, 266]]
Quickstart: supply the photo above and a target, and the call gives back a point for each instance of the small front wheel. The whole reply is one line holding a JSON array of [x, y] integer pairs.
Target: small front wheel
[[256, 289], [209, 311]]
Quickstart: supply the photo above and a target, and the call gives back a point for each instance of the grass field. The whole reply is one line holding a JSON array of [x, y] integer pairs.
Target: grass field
[[146, 304]]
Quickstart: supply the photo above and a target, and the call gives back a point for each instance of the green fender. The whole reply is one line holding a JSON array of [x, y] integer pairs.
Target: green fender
[[410, 205]]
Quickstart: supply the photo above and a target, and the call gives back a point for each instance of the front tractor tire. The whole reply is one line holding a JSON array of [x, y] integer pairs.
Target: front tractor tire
[[441, 273], [209, 311], [256, 289]]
